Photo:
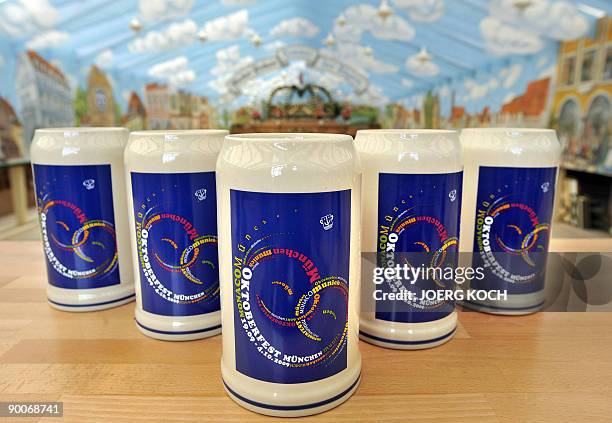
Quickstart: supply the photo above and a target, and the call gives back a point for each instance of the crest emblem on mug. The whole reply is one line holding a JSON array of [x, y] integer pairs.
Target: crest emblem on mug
[[545, 186], [201, 194], [327, 221], [89, 184], [452, 195]]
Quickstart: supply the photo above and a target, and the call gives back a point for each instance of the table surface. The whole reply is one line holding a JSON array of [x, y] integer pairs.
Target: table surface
[[543, 367], [14, 162]]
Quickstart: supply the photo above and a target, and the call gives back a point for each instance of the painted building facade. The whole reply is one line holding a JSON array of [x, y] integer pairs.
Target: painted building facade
[[11, 133], [136, 116], [530, 109], [100, 101], [157, 99], [180, 110], [582, 105], [201, 112], [43, 95], [168, 108]]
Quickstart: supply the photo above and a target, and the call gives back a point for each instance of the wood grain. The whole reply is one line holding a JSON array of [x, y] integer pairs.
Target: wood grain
[[544, 367]]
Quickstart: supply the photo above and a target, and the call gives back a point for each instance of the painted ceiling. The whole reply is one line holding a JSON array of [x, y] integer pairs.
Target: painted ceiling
[[400, 48]]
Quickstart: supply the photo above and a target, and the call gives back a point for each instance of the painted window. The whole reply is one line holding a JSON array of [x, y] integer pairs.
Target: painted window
[[100, 97], [588, 66], [597, 127], [568, 74], [569, 119], [607, 73]]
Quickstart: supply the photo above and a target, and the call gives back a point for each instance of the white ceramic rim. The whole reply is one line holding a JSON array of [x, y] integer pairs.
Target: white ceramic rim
[[513, 131], [274, 137], [81, 129], [188, 132], [407, 131]]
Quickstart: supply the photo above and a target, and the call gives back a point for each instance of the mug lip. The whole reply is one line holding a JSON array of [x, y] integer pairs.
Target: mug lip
[[416, 131], [509, 130], [179, 132], [81, 129], [274, 137]]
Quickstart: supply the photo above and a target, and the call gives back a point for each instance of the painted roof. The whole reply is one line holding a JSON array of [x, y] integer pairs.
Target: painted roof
[[40, 62]]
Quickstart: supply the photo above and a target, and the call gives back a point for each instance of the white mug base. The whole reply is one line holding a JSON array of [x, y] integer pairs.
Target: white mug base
[[293, 413], [515, 305], [180, 336], [178, 328], [84, 300], [294, 400], [407, 336], [500, 310]]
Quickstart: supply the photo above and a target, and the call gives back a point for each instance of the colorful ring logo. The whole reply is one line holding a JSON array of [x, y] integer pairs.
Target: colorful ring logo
[[188, 258], [82, 235], [436, 252], [529, 240], [500, 222], [307, 309]]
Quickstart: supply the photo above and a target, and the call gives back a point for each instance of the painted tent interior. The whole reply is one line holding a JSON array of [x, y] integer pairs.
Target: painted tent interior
[[257, 65]]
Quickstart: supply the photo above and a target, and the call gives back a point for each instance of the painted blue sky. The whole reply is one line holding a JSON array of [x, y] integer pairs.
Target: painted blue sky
[[476, 49]]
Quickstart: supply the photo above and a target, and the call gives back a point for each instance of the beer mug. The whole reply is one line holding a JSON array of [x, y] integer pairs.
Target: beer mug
[[289, 211], [508, 199], [80, 194], [411, 201], [173, 216]]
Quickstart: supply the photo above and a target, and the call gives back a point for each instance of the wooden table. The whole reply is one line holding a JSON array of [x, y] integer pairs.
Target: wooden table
[[544, 367]]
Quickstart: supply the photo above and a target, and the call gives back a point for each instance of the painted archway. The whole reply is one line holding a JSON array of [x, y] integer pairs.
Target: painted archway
[[313, 58], [597, 128], [569, 125]]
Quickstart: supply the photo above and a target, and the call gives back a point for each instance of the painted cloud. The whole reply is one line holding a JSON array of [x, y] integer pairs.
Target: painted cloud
[[296, 27], [274, 45], [228, 60], [562, 21], [476, 90], [421, 64], [157, 10], [407, 83], [559, 20], [364, 18], [422, 10], [175, 35], [374, 95], [260, 88], [175, 71], [25, 18], [511, 30], [444, 91], [104, 59], [48, 39], [511, 75], [356, 55], [238, 2], [502, 38], [229, 27]]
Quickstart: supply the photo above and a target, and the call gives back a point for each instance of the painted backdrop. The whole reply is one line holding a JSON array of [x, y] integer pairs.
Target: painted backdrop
[[226, 63]]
